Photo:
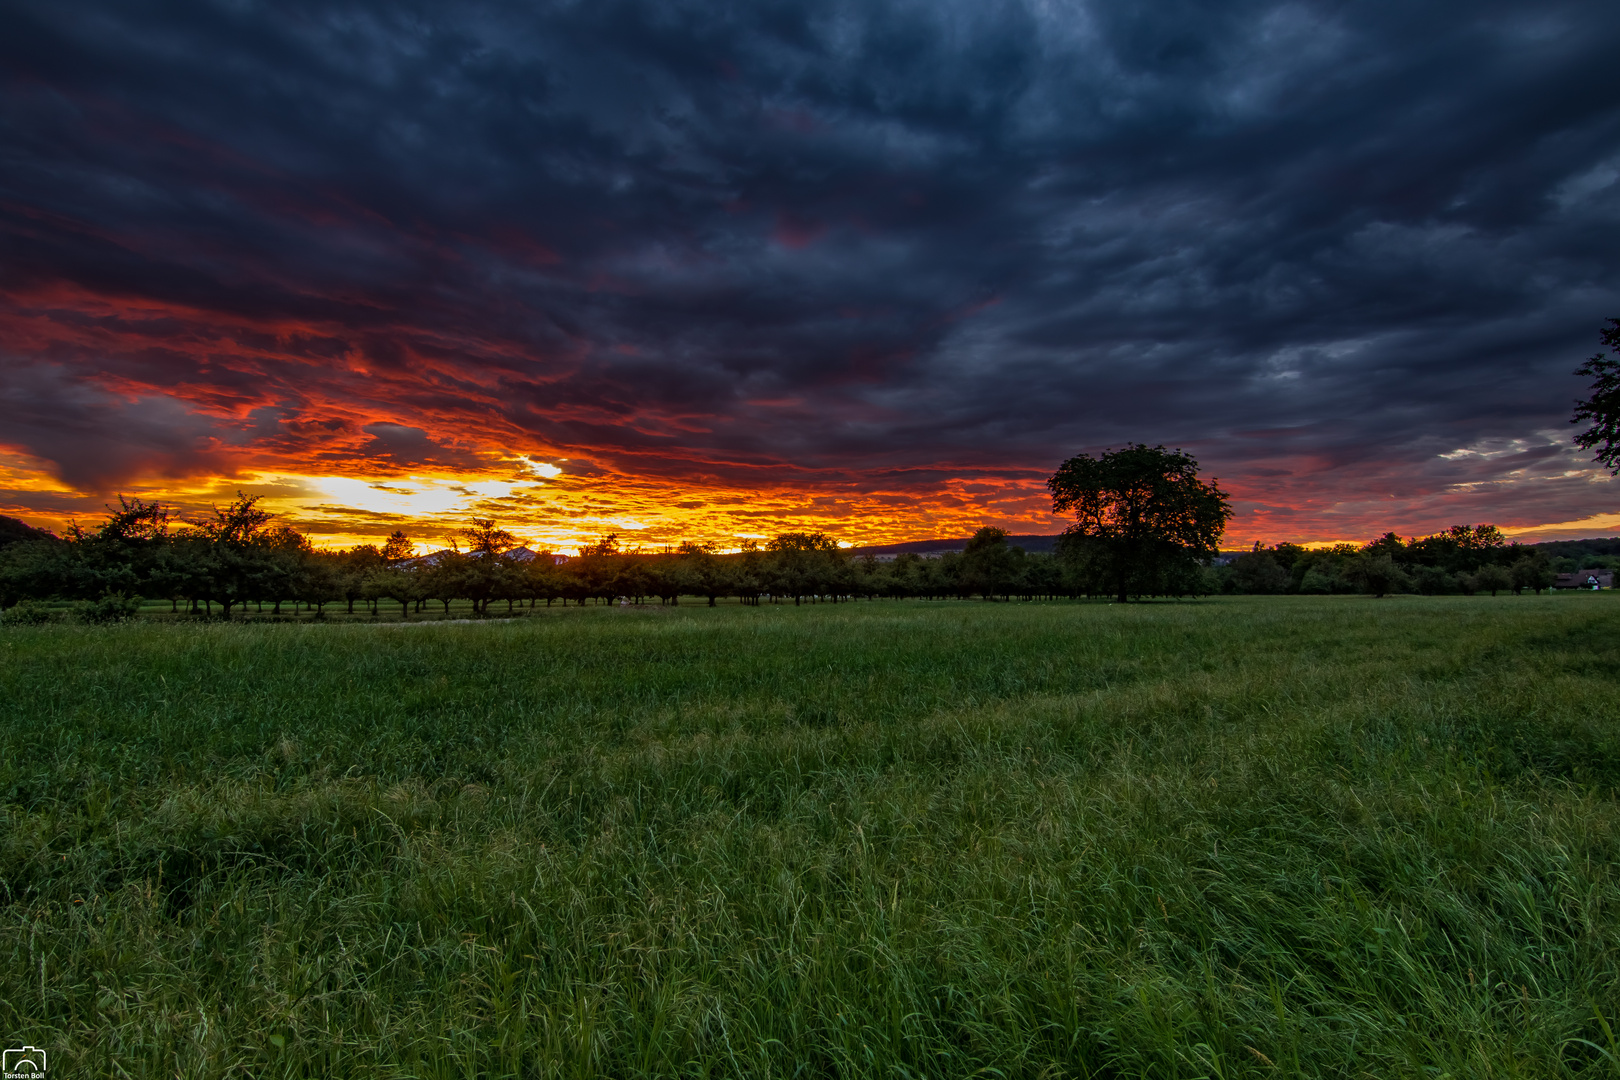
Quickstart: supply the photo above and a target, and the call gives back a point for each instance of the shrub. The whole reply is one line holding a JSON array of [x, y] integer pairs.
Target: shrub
[[112, 607], [26, 613]]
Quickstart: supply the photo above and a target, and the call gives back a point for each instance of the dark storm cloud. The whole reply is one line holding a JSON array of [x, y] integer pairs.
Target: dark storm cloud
[[95, 439], [407, 447], [1319, 244]]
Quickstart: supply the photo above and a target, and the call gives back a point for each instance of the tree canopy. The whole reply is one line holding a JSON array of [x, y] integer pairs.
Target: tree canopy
[[1142, 515], [1602, 404]]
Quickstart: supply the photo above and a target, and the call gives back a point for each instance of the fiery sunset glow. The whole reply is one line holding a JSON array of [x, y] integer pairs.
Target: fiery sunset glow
[[701, 272]]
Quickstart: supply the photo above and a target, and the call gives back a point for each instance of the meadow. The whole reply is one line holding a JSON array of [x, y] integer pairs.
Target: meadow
[[1236, 837]]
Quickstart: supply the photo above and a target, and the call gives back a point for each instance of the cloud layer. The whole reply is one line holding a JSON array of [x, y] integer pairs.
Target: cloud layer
[[830, 258]]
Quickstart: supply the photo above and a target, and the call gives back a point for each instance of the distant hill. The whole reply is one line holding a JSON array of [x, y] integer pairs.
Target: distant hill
[[1575, 549], [13, 531], [1033, 544], [1554, 549]]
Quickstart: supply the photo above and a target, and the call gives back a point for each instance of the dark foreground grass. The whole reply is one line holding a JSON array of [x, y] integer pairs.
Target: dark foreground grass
[[1257, 837]]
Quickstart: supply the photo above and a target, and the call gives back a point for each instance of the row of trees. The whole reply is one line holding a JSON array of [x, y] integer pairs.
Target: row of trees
[[1463, 559], [241, 557]]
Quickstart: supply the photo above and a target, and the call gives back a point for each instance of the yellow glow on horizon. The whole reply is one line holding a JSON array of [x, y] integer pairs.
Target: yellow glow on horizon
[[1596, 524], [21, 472], [549, 508], [560, 506], [412, 496]]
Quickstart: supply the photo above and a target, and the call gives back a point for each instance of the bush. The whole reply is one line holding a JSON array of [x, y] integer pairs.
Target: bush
[[26, 613], [112, 607], [1316, 583]]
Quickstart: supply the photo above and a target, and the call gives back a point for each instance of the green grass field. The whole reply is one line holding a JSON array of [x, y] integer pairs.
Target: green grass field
[[1238, 837]]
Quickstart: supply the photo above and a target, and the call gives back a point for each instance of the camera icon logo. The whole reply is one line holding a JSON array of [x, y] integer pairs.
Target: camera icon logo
[[24, 1063]]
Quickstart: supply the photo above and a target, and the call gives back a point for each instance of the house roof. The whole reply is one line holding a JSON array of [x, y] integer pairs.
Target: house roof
[[1585, 579]]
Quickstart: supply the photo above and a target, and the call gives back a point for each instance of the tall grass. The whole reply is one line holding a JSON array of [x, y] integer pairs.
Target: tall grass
[[1246, 837]]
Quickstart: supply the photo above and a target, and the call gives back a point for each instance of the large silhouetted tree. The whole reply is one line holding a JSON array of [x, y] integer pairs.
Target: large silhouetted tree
[[1143, 518], [1602, 404]]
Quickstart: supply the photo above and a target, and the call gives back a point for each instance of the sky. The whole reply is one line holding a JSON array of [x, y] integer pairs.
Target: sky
[[688, 270]]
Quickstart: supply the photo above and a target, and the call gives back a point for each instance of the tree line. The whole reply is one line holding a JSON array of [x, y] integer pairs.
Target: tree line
[[1463, 559], [241, 558]]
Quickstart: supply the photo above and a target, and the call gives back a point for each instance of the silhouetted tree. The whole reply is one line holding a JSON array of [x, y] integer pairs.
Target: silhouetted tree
[[398, 546], [708, 576], [443, 578], [598, 569], [602, 545], [484, 538], [1493, 578], [1377, 573], [1533, 572], [1142, 515], [1460, 549], [244, 556], [1258, 571], [354, 570], [802, 564], [986, 566], [1602, 403], [1389, 546]]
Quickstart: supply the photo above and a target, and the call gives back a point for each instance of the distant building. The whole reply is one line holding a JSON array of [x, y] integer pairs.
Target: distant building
[[517, 554], [1585, 579]]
